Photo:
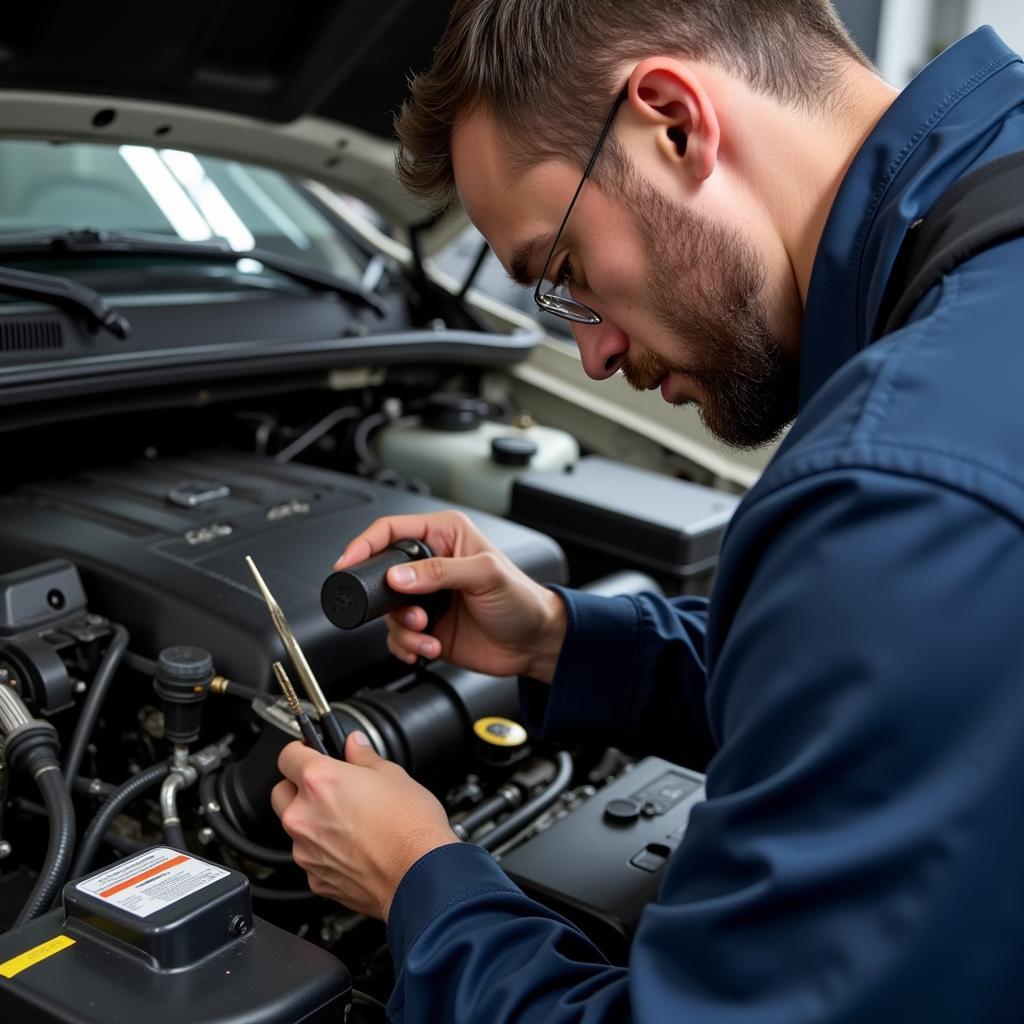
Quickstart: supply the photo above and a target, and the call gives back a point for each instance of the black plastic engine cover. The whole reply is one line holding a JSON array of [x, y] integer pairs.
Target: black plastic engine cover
[[161, 548], [164, 937], [603, 863]]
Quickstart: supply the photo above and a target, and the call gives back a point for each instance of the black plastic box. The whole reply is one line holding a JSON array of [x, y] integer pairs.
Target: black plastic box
[[189, 951], [609, 516], [600, 865]]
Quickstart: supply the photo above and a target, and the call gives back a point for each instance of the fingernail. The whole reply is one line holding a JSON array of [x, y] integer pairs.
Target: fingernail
[[426, 648], [402, 576], [409, 618], [361, 738]]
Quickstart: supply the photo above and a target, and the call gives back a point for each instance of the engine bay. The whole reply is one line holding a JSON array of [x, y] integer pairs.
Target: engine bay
[[123, 587]]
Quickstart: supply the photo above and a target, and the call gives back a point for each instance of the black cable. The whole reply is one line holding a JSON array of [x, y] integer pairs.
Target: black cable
[[59, 846], [517, 821], [315, 432], [262, 892], [229, 835], [93, 704], [110, 809], [487, 811], [481, 256], [361, 440], [123, 844], [229, 688], [93, 787], [141, 664], [366, 1002]]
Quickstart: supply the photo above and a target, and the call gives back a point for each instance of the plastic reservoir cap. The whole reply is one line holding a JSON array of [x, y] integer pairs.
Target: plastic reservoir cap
[[499, 732], [454, 412], [513, 451]]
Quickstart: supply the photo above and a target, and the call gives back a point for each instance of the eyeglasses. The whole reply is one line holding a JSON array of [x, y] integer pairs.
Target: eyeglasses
[[561, 305]]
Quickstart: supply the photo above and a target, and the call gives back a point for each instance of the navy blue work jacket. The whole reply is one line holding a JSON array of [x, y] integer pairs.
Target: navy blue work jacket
[[858, 674]]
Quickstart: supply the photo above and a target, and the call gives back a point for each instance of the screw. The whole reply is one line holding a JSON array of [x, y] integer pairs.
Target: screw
[[80, 686], [239, 925], [206, 836], [5, 849]]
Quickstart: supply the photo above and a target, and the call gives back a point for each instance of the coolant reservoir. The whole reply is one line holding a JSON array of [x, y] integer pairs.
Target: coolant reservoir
[[469, 460]]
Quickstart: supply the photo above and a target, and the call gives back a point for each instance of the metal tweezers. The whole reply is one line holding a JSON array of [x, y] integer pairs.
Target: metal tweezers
[[334, 734]]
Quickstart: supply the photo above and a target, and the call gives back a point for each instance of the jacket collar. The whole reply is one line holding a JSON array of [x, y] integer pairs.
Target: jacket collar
[[938, 129]]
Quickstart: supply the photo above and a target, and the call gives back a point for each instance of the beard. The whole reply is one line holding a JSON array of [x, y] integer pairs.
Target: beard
[[707, 287]]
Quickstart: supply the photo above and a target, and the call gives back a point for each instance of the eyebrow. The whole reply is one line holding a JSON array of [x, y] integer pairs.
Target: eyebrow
[[525, 257]]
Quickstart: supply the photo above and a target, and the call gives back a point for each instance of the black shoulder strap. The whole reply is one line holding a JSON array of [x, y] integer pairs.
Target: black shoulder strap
[[979, 212]]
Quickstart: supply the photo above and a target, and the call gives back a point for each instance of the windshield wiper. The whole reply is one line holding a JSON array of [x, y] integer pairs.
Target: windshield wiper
[[61, 291], [139, 243]]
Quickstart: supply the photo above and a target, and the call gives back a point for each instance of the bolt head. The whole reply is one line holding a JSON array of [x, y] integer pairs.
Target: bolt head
[[5, 849]]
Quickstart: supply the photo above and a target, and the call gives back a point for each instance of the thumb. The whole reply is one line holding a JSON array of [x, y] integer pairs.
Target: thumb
[[359, 750], [475, 574]]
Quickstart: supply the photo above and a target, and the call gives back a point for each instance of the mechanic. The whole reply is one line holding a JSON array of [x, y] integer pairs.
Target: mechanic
[[857, 681]]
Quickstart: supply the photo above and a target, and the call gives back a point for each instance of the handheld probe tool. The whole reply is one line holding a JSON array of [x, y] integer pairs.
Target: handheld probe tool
[[334, 734], [306, 726]]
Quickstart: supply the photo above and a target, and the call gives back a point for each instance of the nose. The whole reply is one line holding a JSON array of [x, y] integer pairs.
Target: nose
[[603, 349]]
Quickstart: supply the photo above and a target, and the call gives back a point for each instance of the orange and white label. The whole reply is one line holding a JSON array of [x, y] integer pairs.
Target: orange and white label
[[151, 881]]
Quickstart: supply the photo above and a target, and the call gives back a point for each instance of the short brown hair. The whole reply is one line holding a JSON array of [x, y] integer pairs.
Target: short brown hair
[[544, 68]]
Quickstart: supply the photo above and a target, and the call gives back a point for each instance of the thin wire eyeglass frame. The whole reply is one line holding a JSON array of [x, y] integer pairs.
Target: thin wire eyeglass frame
[[558, 305]]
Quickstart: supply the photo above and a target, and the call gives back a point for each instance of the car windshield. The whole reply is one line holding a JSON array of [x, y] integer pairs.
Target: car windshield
[[60, 186]]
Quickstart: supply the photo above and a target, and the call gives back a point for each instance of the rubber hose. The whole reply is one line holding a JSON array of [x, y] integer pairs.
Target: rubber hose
[[174, 835], [120, 843], [263, 892], [483, 813], [59, 847], [93, 704], [532, 808], [230, 836], [110, 809]]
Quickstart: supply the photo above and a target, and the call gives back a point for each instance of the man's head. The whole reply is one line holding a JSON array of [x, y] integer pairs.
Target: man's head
[[683, 242]]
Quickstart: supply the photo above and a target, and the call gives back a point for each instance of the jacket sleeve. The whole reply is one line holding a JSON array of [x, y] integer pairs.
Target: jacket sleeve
[[631, 674], [861, 814]]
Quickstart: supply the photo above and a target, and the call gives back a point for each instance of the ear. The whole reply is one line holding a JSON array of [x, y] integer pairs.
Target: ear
[[668, 95]]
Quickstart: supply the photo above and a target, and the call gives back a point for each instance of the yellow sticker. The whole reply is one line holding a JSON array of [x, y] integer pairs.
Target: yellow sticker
[[9, 968]]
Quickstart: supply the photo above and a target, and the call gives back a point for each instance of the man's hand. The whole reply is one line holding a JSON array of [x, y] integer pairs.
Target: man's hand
[[357, 825], [501, 622]]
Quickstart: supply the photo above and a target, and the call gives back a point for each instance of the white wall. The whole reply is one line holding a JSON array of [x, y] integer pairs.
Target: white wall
[[1005, 16], [904, 39]]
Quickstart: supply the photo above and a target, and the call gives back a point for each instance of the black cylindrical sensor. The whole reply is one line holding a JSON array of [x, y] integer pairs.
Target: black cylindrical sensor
[[183, 678], [361, 594]]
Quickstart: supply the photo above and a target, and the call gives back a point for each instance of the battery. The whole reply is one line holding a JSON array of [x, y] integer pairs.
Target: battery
[[164, 937], [608, 516]]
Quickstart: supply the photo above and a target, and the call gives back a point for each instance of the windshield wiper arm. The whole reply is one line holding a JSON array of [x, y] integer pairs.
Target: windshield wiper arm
[[61, 291], [139, 243]]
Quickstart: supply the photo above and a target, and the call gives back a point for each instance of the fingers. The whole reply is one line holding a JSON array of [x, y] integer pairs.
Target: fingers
[[448, 533], [295, 759], [382, 534], [476, 574], [358, 750], [409, 644], [412, 617], [282, 795], [406, 640]]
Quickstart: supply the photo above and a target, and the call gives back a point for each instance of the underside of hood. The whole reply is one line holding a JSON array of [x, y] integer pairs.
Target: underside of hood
[[307, 86]]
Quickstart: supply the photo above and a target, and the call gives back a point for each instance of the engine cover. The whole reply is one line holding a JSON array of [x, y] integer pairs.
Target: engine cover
[[161, 548]]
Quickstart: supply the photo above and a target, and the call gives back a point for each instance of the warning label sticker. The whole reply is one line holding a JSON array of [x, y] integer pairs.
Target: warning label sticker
[[152, 881]]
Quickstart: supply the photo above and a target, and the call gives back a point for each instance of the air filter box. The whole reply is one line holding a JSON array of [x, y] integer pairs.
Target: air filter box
[[164, 937], [608, 516]]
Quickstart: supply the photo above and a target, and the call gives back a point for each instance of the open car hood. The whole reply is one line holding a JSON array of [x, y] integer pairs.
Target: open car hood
[[308, 87]]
